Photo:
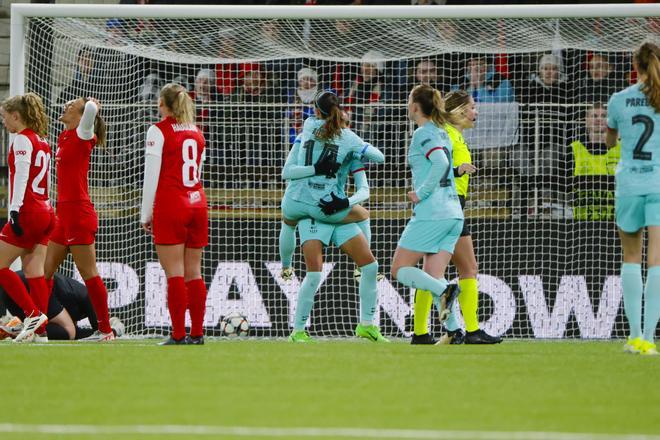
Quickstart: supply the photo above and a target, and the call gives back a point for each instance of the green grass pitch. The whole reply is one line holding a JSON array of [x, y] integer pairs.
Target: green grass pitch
[[518, 386]]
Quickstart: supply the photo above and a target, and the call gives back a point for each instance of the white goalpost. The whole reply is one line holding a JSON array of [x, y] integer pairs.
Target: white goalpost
[[540, 209]]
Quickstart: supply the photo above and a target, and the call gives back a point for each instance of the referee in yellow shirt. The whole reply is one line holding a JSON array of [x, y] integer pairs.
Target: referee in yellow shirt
[[460, 103]]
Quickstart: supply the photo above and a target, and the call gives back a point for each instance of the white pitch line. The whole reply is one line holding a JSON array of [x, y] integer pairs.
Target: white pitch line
[[243, 431]]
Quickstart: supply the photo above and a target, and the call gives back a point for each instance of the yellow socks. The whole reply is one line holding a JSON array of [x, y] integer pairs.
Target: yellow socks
[[469, 301], [423, 304]]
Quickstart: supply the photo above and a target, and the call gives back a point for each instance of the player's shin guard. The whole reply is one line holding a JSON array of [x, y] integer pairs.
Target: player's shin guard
[[176, 303], [423, 304], [305, 303], [368, 293], [631, 282], [196, 306], [287, 244], [98, 295], [469, 300], [39, 293], [12, 284], [365, 227], [651, 302]]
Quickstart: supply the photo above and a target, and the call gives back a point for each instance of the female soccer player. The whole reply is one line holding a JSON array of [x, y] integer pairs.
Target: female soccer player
[[437, 218], [77, 221], [634, 115], [31, 217], [174, 209], [292, 171], [353, 241], [329, 147], [463, 109]]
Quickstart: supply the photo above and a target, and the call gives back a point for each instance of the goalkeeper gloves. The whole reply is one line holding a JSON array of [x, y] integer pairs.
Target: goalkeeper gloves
[[13, 222], [326, 166], [335, 205]]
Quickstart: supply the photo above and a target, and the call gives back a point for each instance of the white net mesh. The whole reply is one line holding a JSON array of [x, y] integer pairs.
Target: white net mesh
[[540, 209]]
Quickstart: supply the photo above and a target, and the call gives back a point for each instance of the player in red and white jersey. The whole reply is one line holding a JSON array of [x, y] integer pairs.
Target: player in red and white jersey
[[31, 217], [77, 221], [174, 209]]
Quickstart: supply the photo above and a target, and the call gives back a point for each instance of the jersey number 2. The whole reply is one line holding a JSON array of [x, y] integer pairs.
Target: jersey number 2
[[190, 169], [644, 138], [42, 159]]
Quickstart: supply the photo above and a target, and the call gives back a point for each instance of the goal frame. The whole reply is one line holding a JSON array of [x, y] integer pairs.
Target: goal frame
[[20, 11]]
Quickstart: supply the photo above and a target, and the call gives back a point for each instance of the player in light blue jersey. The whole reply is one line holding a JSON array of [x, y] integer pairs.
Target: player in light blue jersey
[[437, 219], [325, 140], [352, 240], [312, 189], [634, 115]]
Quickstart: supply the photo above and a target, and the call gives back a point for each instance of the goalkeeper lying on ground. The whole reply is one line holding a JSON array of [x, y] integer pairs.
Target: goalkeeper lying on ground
[[69, 303]]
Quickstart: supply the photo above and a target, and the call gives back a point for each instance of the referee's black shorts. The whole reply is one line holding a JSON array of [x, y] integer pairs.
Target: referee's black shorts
[[466, 227]]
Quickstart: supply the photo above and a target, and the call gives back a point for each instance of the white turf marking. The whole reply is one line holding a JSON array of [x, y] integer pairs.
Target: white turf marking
[[242, 431]]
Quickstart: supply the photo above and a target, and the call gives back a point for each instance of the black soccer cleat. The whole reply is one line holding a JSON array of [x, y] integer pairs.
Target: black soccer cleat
[[453, 337], [481, 337], [195, 340], [172, 341], [425, 339], [447, 301]]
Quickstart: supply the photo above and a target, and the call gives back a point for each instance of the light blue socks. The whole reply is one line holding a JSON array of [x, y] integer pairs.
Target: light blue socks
[[631, 282], [368, 293], [366, 229], [651, 302], [287, 244], [418, 279], [308, 289]]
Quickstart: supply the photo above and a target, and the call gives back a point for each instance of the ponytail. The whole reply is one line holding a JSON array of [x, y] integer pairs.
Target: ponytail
[[176, 98], [100, 130], [31, 109], [100, 127], [647, 58], [433, 106], [328, 105]]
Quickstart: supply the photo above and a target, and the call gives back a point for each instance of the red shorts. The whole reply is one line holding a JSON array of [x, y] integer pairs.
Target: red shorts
[[177, 225], [37, 227], [77, 224]]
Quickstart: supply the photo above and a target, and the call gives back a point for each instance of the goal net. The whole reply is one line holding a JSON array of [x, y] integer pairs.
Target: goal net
[[540, 208]]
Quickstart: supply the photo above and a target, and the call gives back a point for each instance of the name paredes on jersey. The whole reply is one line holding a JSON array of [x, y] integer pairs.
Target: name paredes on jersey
[[184, 127], [636, 102]]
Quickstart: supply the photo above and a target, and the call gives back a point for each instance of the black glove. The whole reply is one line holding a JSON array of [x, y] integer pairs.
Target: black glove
[[13, 222], [326, 166], [335, 205]]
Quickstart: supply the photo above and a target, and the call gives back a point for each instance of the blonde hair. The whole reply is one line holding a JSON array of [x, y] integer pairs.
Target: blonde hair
[[433, 106], [456, 102], [647, 58], [176, 98], [30, 108]]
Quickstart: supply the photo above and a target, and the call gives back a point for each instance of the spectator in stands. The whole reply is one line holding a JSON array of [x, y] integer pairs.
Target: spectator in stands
[[484, 83], [250, 131], [600, 80], [303, 98], [226, 73], [366, 89], [592, 166], [82, 84], [204, 97], [547, 85]]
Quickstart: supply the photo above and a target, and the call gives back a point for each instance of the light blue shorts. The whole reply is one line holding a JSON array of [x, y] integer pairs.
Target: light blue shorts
[[635, 212], [295, 210], [431, 236], [326, 233]]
